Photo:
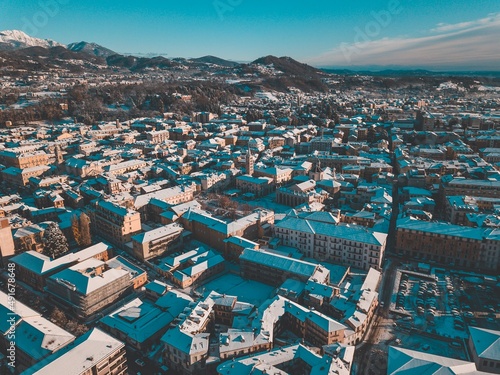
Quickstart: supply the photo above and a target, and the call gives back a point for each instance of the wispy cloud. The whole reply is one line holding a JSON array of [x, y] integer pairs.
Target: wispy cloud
[[445, 27], [471, 45]]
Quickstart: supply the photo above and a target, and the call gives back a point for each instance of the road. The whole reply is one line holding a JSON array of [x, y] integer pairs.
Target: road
[[368, 360]]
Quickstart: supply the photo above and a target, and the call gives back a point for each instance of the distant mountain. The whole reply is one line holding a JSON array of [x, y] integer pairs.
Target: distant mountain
[[287, 65], [16, 39], [91, 48], [283, 73], [140, 63], [380, 71], [215, 61], [44, 59]]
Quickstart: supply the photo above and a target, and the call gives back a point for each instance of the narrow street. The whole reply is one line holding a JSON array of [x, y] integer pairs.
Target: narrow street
[[363, 361]]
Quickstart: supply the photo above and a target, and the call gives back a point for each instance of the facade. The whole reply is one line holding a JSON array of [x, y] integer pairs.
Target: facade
[[274, 269], [7, 248], [35, 268], [84, 289], [186, 353], [461, 186], [259, 186], [302, 193], [355, 246], [23, 160], [447, 244], [484, 346], [214, 232], [156, 242], [113, 222]]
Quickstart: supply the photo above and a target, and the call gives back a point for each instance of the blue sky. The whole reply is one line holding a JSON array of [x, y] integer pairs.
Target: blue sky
[[429, 34]]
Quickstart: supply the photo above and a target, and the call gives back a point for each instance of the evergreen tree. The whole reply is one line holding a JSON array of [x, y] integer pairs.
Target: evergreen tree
[[54, 241], [85, 236]]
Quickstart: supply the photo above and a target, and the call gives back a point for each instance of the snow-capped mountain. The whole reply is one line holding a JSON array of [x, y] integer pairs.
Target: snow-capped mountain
[[16, 39]]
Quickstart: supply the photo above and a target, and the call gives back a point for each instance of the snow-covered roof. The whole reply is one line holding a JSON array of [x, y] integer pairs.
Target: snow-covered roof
[[405, 361], [77, 358], [486, 343]]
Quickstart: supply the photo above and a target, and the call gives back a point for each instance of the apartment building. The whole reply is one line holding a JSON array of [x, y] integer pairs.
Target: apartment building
[[21, 177], [447, 244], [186, 353], [23, 160], [350, 245], [301, 193], [87, 287], [115, 223], [94, 353], [483, 345], [259, 186], [213, 231], [35, 268], [157, 241], [462, 186], [274, 269]]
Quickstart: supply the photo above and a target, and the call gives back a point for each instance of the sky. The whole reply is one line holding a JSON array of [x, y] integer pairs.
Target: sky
[[436, 35]]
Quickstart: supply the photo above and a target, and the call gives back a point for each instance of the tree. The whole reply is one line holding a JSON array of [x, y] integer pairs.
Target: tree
[[54, 241], [58, 317], [75, 227], [85, 236]]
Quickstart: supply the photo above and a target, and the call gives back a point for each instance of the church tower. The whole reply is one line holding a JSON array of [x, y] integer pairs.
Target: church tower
[[249, 162], [316, 173], [59, 157]]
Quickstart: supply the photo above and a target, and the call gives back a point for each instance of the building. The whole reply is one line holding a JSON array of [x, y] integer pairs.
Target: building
[[249, 162], [462, 186], [301, 193], [186, 353], [447, 244], [355, 305], [157, 241], [191, 267], [21, 177], [23, 160], [289, 359], [274, 269], [95, 352], [405, 361], [35, 268], [87, 287], [213, 231], [7, 248], [258, 186], [115, 223], [36, 338], [484, 344], [355, 246], [139, 324], [235, 246]]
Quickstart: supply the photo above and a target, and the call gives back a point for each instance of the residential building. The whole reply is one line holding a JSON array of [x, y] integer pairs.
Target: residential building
[[95, 352], [115, 223], [157, 241]]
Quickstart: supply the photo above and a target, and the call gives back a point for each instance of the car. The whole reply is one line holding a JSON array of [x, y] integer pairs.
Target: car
[[140, 362], [426, 347]]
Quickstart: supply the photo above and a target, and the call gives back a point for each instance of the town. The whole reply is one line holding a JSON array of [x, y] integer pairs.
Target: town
[[349, 225]]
